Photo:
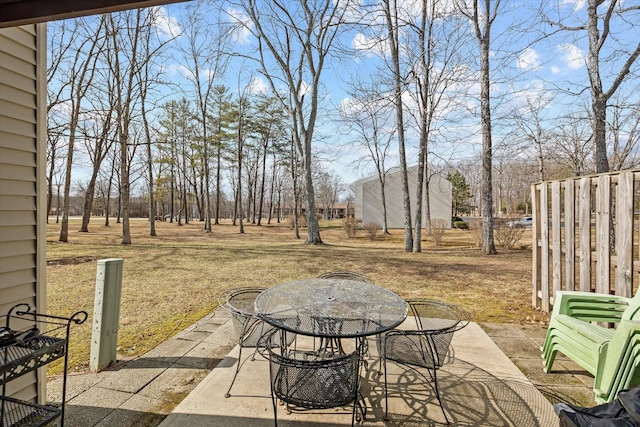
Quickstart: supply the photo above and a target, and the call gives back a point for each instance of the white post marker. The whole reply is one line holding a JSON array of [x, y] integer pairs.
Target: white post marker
[[106, 313]]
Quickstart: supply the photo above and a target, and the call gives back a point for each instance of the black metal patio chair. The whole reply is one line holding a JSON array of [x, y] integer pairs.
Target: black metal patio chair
[[248, 328], [311, 379], [427, 346], [340, 274]]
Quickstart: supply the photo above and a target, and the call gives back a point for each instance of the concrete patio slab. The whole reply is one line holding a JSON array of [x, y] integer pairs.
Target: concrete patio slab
[[479, 386]]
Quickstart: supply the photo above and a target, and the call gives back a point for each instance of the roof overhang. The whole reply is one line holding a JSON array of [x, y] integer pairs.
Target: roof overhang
[[20, 12]]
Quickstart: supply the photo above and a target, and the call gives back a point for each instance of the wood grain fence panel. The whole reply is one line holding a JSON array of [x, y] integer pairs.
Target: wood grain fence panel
[[536, 283], [603, 239], [544, 242], [592, 220], [585, 234], [556, 241], [569, 235], [624, 235]]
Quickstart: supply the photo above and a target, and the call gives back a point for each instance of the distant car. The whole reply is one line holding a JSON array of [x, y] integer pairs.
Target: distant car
[[526, 221]]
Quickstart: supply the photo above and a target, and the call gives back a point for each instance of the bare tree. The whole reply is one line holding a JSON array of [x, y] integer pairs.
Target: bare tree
[[98, 142], [368, 115], [434, 43], [611, 28], [329, 187], [482, 15], [207, 58], [531, 130], [62, 39], [392, 21], [268, 127], [243, 105], [624, 134], [295, 38], [128, 54], [81, 73], [152, 46], [571, 144], [223, 116]]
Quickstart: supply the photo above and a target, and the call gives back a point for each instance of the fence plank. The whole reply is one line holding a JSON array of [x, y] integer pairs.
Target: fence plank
[[603, 239], [556, 245], [593, 221], [569, 235], [544, 242], [585, 234], [624, 235], [535, 249]]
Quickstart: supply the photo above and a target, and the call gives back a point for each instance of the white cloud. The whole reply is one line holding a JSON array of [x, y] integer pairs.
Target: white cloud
[[371, 46], [572, 55], [576, 5], [305, 89], [529, 59], [164, 23], [257, 86], [555, 70], [242, 25], [184, 71]]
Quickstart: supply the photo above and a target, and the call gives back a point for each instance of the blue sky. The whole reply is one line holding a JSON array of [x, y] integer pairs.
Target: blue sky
[[525, 66]]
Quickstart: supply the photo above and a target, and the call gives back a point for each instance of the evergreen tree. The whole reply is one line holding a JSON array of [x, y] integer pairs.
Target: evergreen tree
[[460, 193]]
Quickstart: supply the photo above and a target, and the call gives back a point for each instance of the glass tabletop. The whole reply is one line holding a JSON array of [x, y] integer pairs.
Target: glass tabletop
[[334, 308]]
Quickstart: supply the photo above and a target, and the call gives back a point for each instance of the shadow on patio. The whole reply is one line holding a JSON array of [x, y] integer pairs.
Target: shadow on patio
[[479, 386]]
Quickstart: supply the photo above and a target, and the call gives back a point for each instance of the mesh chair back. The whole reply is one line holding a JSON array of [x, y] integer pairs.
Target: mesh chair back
[[309, 379], [433, 315], [240, 303], [438, 320], [428, 345]]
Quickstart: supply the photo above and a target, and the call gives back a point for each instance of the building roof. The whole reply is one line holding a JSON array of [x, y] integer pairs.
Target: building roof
[[20, 12]]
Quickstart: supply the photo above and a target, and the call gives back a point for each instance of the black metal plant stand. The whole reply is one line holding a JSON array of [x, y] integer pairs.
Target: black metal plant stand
[[23, 349]]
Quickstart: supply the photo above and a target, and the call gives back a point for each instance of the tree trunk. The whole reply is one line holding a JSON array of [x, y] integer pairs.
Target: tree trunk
[[313, 228], [218, 180], [488, 245], [392, 26], [271, 190], [64, 228], [262, 185], [88, 202]]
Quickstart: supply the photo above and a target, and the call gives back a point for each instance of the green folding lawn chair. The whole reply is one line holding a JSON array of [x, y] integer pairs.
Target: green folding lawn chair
[[619, 369], [575, 329]]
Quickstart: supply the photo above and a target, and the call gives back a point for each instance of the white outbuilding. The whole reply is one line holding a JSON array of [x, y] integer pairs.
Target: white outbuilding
[[368, 203]]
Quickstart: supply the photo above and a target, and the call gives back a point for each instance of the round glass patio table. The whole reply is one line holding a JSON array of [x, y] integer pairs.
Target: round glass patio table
[[331, 308]]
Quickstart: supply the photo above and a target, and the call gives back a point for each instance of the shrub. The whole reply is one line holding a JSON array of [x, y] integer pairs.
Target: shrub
[[350, 226], [372, 229], [460, 224], [438, 227], [507, 232], [302, 221], [476, 233]]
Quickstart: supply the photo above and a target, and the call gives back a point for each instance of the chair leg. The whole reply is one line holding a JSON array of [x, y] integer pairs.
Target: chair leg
[[437, 391], [548, 360], [228, 393], [386, 390], [362, 414], [274, 403]]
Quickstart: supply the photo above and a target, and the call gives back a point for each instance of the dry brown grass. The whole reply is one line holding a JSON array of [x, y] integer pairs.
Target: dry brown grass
[[172, 280]]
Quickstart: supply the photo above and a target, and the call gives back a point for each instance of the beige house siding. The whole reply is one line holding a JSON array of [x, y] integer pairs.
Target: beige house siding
[[368, 203], [22, 177]]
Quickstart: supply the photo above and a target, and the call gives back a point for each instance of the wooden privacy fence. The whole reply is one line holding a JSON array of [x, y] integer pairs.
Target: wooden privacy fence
[[585, 235]]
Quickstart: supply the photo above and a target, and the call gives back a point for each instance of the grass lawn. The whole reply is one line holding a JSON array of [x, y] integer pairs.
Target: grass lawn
[[172, 280]]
